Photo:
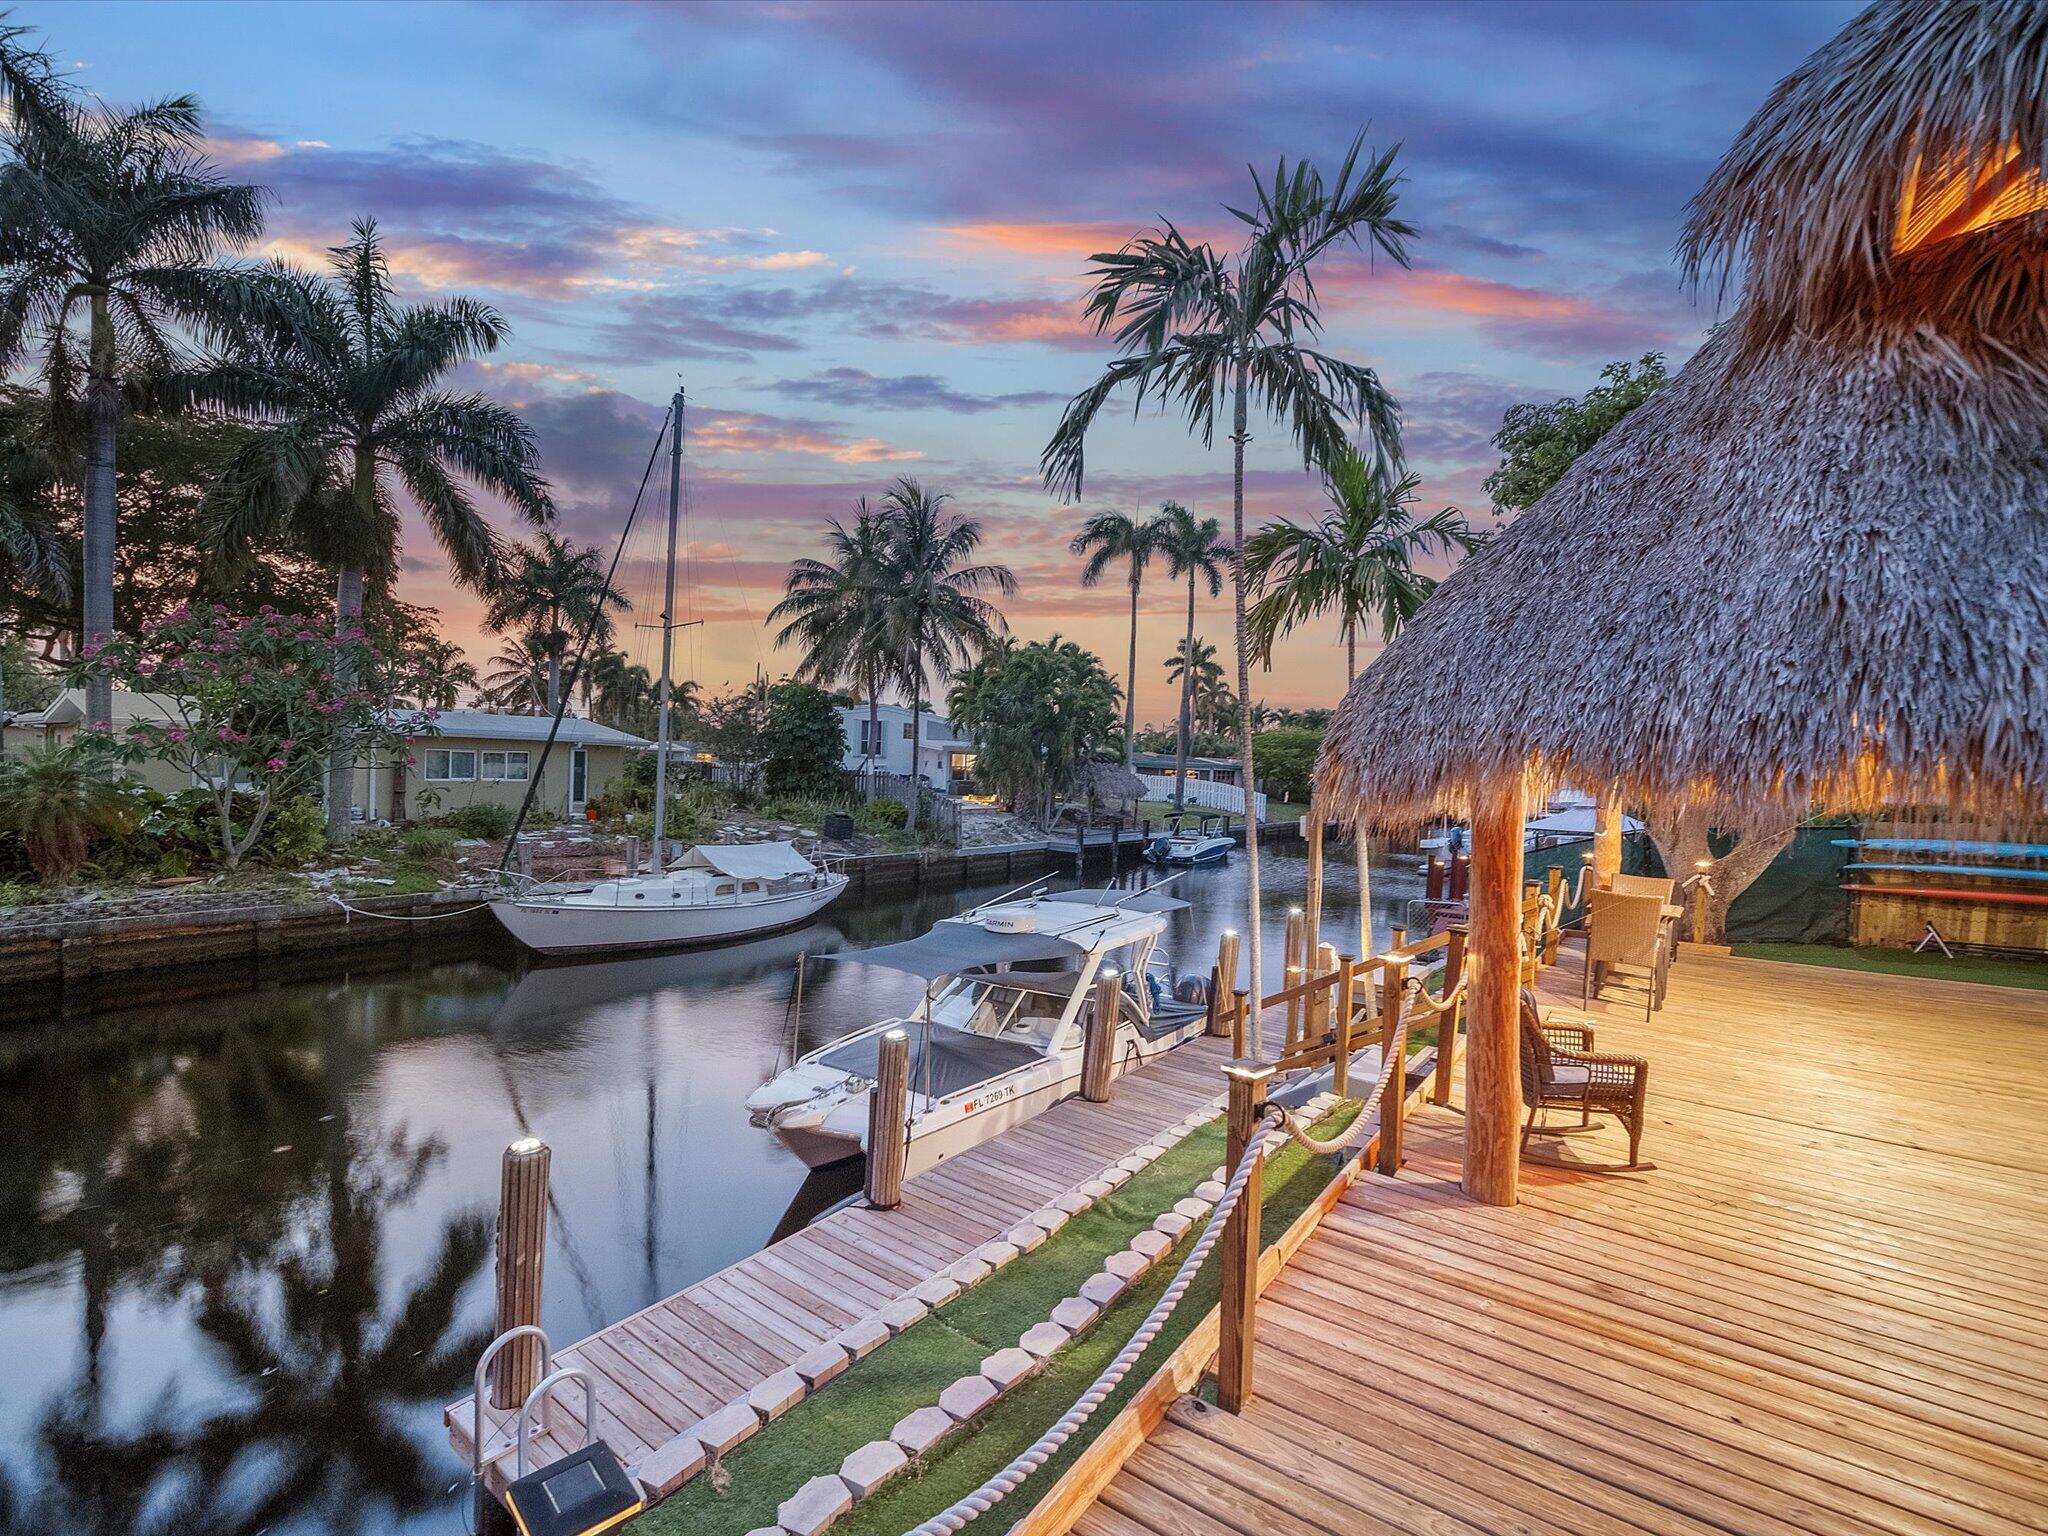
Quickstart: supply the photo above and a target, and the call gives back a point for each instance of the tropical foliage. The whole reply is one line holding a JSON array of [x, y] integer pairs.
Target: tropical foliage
[[344, 384], [1035, 713], [109, 218], [1216, 335], [1193, 548], [1193, 667], [1356, 562], [836, 610], [1538, 443], [802, 741], [1112, 538], [555, 593], [254, 705], [1284, 760], [55, 797]]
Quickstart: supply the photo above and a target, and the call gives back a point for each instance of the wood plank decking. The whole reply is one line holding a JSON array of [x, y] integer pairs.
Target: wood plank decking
[[1825, 1309], [664, 1369]]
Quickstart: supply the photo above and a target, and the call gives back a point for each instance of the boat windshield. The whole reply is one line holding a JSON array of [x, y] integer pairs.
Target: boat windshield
[[1025, 1008]]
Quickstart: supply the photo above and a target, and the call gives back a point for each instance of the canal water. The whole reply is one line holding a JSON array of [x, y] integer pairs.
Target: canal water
[[245, 1242]]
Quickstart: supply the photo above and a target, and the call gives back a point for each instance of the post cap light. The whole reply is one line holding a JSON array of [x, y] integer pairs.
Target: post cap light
[[526, 1145]]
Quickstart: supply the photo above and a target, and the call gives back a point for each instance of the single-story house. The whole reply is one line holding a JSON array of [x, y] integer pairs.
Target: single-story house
[[944, 758], [1223, 770], [464, 756], [62, 719]]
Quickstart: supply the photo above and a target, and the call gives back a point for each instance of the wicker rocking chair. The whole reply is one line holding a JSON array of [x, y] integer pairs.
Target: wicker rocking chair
[[1560, 1070]]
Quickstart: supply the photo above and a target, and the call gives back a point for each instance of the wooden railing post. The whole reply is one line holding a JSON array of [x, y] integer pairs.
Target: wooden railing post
[[1347, 1004], [1223, 983], [522, 1250], [1324, 998], [1240, 1019], [1448, 1021], [1240, 1245], [1393, 999], [889, 1122], [1098, 1048], [1290, 970], [1312, 929], [1554, 931]]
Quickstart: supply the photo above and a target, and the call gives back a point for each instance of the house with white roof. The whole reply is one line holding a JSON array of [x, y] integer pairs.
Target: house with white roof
[[466, 756], [943, 758]]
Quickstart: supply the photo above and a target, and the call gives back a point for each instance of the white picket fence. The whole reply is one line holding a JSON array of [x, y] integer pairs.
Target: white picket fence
[[1206, 793]]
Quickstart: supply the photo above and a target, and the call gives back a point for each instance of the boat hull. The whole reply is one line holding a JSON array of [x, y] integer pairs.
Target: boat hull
[[561, 928]]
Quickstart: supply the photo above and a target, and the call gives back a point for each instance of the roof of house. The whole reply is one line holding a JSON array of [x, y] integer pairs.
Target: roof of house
[[483, 725], [68, 708]]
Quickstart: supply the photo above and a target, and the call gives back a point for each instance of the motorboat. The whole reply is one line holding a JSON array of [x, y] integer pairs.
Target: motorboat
[[999, 1034], [714, 893], [1189, 839]]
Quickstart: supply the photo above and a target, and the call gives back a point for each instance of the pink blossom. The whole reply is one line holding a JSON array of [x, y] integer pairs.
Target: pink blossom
[[177, 735], [286, 745], [145, 667], [273, 762]]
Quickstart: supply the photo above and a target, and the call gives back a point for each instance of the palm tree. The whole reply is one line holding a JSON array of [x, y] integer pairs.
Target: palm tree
[[1193, 665], [621, 692], [550, 590], [1108, 537], [837, 609], [1212, 334], [517, 677], [115, 215], [1193, 548], [933, 614], [55, 797], [1357, 561], [342, 383]]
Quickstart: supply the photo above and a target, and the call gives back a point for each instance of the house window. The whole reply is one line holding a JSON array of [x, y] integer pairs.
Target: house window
[[906, 730], [506, 765], [450, 767], [868, 745]]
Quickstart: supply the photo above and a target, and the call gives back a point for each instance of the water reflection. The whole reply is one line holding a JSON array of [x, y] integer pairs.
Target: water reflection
[[245, 1243]]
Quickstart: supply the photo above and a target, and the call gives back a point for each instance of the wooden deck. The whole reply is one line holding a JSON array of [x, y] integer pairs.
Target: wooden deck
[[664, 1369], [1825, 1309]]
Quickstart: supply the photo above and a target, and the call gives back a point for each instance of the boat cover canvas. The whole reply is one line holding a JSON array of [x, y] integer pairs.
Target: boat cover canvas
[[748, 861], [951, 948], [958, 1060], [1123, 901]]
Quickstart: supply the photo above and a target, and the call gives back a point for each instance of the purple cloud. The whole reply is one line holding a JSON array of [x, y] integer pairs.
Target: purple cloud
[[855, 387]]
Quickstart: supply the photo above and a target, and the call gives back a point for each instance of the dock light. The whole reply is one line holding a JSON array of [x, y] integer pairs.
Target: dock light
[[1294, 911], [893, 1034], [525, 1145], [1230, 933], [1702, 865], [579, 1495]]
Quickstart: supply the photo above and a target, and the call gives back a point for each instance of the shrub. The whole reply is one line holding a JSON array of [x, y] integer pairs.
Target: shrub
[[56, 798], [12, 893], [480, 818], [803, 741], [803, 812], [878, 816], [427, 842], [297, 831]]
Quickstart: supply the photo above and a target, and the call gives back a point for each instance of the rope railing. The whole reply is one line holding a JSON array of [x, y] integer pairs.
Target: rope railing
[[956, 1516]]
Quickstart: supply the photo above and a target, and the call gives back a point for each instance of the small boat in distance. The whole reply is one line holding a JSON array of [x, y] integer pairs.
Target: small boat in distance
[[1189, 839], [998, 1037], [714, 893]]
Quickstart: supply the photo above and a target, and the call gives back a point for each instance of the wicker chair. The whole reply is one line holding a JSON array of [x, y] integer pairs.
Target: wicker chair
[[1560, 1070], [1625, 930]]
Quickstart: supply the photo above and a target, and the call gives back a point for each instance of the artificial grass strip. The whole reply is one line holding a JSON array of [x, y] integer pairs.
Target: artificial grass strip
[[910, 1371], [1987, 970], [1291, 1180]]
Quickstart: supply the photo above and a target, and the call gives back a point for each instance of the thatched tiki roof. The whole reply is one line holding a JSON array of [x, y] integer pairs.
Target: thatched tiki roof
[[1106, 782], [1816, 564], [1813, 567]]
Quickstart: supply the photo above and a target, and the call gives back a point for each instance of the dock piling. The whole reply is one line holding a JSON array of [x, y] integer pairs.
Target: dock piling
[[889, 1122], [522, 1249], [1098, 1050]]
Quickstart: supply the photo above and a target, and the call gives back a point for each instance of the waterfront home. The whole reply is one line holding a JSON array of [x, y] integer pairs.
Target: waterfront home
[[471, 756], [944, 759], [1219, 770]]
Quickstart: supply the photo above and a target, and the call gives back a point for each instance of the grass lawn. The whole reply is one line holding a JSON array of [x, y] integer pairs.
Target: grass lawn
[[1991, 970], [912, 1369]]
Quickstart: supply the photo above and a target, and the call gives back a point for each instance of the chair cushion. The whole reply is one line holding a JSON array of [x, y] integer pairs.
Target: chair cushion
[[1570, 1078]]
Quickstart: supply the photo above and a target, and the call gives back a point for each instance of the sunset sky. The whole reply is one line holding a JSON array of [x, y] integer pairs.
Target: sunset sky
[[857, 233]]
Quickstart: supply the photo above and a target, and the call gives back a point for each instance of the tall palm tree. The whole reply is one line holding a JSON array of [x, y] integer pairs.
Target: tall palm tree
[[836, 609], [342, 383], [517, 677], [114, 216], [1357, 561], [550, 590], [1193, 548], [1213, 334], [934, 615], [1107, 538]]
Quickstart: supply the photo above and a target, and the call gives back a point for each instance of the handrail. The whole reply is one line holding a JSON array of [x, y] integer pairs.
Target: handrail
[[483, 1362]]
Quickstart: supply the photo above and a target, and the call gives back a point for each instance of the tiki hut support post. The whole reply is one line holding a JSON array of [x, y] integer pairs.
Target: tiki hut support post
[[1493, 1090], [1607, 838]]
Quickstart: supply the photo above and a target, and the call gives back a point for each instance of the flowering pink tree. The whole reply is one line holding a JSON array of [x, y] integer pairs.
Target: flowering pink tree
[[254, 705]]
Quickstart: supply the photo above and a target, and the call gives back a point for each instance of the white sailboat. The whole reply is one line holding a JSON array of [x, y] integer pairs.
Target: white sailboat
[[999, 1035], [713, 893]]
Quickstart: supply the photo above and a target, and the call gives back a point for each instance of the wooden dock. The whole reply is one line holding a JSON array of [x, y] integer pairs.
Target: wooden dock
[[665, 1369], [1822, 1310]]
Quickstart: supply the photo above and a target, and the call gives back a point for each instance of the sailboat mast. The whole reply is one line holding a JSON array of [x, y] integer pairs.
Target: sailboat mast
[[658, 859]]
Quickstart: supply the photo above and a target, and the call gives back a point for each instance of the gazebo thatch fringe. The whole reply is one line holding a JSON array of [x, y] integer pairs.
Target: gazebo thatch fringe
[[1819, 573]]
